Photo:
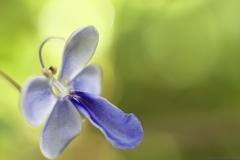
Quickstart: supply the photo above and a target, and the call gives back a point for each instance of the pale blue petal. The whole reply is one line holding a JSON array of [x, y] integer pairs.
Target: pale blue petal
[[78, 50], [37, 99], [62, 126], [121, 130], [88, 80]]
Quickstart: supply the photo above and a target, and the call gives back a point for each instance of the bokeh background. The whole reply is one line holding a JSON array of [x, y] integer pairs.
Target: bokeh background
[[175, 64]]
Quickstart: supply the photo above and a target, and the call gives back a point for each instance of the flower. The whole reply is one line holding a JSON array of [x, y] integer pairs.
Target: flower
[[78, 91]]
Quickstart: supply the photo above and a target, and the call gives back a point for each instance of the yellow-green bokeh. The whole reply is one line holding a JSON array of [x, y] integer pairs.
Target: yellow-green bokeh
[[173, 63]]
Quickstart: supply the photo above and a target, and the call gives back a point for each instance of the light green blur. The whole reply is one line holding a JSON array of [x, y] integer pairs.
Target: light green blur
[[175, 64]]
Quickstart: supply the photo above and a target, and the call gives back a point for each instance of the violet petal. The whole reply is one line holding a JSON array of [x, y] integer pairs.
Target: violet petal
[[78, 50], [121, 130], [88, 80], [62, 126], [37, 99]]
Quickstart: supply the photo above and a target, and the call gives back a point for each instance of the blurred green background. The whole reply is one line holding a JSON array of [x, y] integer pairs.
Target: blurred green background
[[175, 64]]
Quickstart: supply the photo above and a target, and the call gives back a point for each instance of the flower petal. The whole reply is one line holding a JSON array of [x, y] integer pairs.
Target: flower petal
[[78, 50], [121, 130], [62, 126], [88, 80], [37, 99]]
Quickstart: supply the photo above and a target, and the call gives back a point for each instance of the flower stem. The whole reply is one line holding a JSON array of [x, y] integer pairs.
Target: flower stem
[[41, 46], [9, 79]]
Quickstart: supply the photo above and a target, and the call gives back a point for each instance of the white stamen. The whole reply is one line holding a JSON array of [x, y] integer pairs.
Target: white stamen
[[61, 89]]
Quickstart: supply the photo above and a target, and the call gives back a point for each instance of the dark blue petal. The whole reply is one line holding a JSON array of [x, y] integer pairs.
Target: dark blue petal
[[88, 80], [62, 126], [78, 50], [121, 130]]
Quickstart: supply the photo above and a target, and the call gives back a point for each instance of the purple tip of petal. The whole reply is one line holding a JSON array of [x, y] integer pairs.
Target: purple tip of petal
[[122, 130]]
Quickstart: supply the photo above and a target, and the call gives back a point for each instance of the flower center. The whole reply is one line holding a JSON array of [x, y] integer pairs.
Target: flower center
[[61, 89]]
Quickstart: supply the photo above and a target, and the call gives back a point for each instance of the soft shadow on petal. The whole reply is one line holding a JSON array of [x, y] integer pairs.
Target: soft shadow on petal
[[37, 99], [78, 50], [62, 126], [121, 130], [88, 80]]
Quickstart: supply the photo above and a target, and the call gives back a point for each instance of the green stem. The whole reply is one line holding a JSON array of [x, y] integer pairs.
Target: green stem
[[14, 83]]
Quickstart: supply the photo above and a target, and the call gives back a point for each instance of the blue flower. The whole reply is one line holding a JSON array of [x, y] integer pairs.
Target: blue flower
[[78, 91]]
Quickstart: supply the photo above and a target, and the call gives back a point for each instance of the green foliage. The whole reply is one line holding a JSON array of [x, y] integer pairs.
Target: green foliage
[[173, 63]]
